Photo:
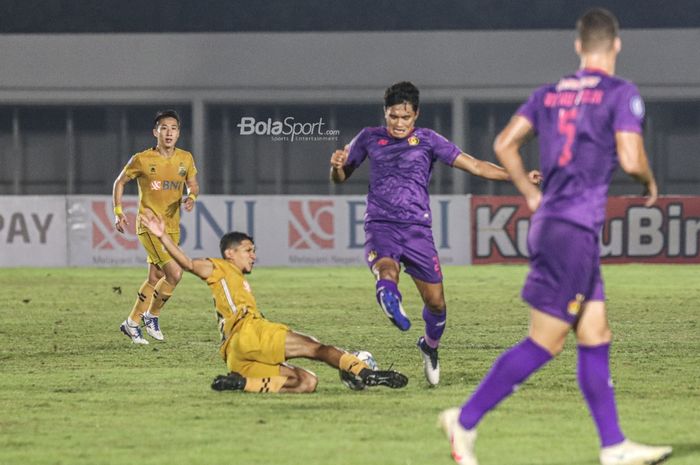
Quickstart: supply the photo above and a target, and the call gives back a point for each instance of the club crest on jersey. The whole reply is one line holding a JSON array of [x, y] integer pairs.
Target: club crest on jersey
[[372, 255], [182, 171], [574, 306], [382, 142], [413, 140]]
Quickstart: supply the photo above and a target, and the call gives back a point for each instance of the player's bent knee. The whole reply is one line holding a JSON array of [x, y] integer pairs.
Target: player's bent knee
[[436, 305], [554, 347], [309, 382], [174, 276], [386, 268], [595, 337]]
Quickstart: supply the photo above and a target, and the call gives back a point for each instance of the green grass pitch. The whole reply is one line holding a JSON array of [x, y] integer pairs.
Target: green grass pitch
[[74, 390]]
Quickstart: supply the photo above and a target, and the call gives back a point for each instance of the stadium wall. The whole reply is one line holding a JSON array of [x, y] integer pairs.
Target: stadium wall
[[327, 230], [74, 107], [269, 66]]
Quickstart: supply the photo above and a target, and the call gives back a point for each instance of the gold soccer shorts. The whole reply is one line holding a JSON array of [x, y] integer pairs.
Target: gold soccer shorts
[[256, 349], [155, 248]]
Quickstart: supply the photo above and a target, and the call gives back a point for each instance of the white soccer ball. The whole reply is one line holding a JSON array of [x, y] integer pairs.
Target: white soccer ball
[[355, 382]]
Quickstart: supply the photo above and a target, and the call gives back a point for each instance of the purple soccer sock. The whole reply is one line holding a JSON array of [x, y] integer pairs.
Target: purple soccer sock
[[596, 386], [510, 369], [434, 326], [387, 285]]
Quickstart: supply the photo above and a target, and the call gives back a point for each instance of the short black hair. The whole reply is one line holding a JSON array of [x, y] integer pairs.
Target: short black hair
[[402, 92], [597, 29], [166, 114], [232, 239]]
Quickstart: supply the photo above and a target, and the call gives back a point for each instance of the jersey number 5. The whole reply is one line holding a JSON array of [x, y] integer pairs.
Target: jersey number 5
[[567, 127]]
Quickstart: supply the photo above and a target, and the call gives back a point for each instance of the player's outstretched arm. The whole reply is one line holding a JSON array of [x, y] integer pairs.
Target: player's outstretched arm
[[120, 221], [156, 225], [633, 160], [481, 168], [488, 170], [507, 147]]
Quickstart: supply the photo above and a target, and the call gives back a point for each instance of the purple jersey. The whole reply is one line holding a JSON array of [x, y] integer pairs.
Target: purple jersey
[[576, 120], [400, 172]]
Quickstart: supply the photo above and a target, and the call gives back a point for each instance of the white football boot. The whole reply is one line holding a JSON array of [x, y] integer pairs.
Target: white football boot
[[431, 363], [133, 333], [631, 453], [461, 440], [152, 326]]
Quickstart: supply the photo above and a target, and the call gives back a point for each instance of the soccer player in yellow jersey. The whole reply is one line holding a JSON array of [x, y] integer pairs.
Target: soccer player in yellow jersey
[[162, 172], [254, 348]]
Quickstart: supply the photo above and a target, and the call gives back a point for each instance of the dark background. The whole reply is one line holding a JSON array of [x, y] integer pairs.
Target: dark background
[[73, 16]]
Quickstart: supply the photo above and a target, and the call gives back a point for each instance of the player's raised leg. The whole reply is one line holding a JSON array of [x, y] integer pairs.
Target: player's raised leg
[[593, 336], [389, 298], [383, 248], [435, 317]]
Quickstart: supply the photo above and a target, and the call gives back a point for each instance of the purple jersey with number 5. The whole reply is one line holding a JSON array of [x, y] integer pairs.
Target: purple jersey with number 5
[[400, 172], [576, 120]]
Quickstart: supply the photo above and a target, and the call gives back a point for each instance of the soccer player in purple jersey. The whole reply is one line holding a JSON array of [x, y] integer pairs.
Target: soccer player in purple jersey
[[587, 123], [398, 217]]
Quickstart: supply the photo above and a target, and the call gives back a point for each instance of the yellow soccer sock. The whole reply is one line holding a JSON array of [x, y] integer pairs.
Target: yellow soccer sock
[[348, 362], [161, 293], [271, 384], [143, 301]]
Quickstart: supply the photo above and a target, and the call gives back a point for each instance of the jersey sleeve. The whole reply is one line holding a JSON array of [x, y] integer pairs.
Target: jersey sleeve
[[528, 110], [628, 113], [358, 149], [216, 272], [443, 149], [133, 167], [192, 168]]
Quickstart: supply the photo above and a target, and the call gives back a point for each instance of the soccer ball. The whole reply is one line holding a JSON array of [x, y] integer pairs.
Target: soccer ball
[[352, 381]]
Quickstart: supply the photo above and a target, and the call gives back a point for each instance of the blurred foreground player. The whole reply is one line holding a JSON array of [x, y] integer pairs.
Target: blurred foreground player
[[587, 123], [254, 348], [398, 217], [162, 172]]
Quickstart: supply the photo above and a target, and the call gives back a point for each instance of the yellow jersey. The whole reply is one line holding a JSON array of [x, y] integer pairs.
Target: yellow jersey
[[162, 182], [233, 298]]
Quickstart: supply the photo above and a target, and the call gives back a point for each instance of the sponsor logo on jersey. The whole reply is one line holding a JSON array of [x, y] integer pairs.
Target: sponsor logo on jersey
[[383, 142], [413, 140], [246, 286], [166, 185], [311, 224]]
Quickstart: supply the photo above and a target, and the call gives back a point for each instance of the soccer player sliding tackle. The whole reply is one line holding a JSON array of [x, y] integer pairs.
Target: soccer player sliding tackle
[[588, 123], [254, 348], [398, 217]]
